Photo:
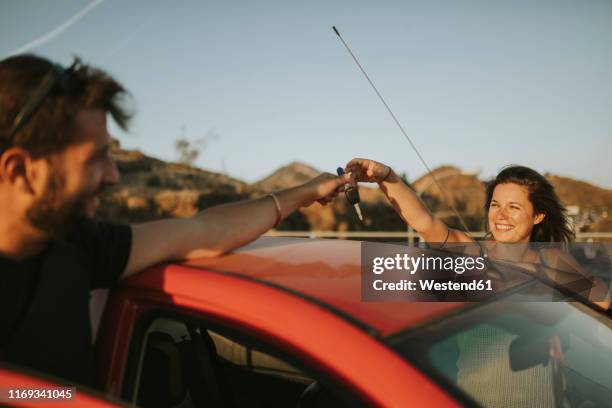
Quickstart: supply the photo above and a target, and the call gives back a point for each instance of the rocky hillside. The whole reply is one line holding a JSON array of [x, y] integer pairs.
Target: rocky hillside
[[580, 193], [153, 189], [464, 191], [287, 176]]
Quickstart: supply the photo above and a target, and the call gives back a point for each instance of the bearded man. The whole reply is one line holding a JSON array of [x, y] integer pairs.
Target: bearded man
[[54, 163]]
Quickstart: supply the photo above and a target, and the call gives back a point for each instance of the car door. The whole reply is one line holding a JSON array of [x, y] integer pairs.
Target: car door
[[179, 360], [269, 340]]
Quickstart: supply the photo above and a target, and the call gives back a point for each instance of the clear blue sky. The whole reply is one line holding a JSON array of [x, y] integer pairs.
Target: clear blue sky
[[478, 84]]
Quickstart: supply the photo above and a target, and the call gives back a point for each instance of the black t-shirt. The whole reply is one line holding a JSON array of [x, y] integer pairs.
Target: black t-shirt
[[44, 300]]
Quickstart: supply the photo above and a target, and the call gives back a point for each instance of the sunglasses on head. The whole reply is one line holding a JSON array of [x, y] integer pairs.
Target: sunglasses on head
[[56, 77]]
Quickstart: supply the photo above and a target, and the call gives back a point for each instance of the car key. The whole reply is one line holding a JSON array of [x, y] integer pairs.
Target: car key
[[352, 195]]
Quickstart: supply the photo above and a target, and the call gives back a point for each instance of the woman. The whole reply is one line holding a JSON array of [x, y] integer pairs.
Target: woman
[[521, 207]]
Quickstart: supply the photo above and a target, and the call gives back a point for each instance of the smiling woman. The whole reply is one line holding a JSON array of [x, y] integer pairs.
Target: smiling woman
[[521, 207], [495, 363]]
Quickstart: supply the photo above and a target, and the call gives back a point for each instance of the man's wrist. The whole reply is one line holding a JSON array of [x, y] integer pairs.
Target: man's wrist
[[308, 193], [277, 206]]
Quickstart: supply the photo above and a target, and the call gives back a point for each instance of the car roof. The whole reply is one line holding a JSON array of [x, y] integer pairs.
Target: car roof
[[327, 272]]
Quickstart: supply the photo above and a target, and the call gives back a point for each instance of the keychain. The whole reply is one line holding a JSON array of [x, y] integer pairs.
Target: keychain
[[352, 195]]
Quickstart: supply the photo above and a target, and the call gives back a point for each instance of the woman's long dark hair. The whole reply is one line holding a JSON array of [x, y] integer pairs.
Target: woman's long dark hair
[[555, 226]]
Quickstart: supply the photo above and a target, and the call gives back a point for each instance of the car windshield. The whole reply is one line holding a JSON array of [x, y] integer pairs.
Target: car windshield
[[509, 353]]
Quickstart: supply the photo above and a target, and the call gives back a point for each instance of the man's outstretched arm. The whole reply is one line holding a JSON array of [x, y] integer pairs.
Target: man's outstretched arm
[[219, 229]]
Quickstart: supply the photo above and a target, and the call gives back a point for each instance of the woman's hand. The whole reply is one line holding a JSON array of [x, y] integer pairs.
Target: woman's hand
[[368, 170], [404, 200]]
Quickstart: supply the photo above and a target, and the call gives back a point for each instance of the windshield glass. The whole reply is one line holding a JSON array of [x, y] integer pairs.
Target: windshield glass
[[516, 354]]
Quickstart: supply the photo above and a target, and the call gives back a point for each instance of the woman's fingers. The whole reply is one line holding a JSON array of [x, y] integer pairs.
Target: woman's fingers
[[366, 170], [370, 171], [356, 162]]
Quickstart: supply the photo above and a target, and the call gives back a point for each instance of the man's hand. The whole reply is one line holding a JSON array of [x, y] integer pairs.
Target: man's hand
[[325, 187], [222, 228]]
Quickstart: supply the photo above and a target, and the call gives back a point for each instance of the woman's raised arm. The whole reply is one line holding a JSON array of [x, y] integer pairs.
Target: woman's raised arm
[[405, 201]]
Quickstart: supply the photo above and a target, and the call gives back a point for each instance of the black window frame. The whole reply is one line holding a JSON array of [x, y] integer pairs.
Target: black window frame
[[335, 386]]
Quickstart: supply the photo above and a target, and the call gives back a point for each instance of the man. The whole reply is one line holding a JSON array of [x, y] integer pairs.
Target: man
[[54, 162]]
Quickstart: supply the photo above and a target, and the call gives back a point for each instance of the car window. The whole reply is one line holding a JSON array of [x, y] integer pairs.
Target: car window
[[186, 363], [517, 354]]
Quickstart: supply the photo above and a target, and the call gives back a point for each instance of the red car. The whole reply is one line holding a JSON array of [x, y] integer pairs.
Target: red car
[[280, 323]]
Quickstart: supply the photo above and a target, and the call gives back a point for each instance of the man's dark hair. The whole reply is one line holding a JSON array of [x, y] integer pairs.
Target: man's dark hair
[[51, 126], [555, 226]]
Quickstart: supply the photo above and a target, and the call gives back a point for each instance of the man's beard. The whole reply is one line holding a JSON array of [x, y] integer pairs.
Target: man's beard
[[55, 217]]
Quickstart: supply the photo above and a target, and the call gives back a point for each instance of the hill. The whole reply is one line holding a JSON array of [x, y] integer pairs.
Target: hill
[[152, 189], [580, 193], [290, 175]]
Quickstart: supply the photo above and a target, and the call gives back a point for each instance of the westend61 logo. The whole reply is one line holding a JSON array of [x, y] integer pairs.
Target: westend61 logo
[[477, 271]]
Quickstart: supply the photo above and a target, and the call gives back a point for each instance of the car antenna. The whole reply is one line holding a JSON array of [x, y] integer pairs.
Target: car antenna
[[401, 128], [500, 274]]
